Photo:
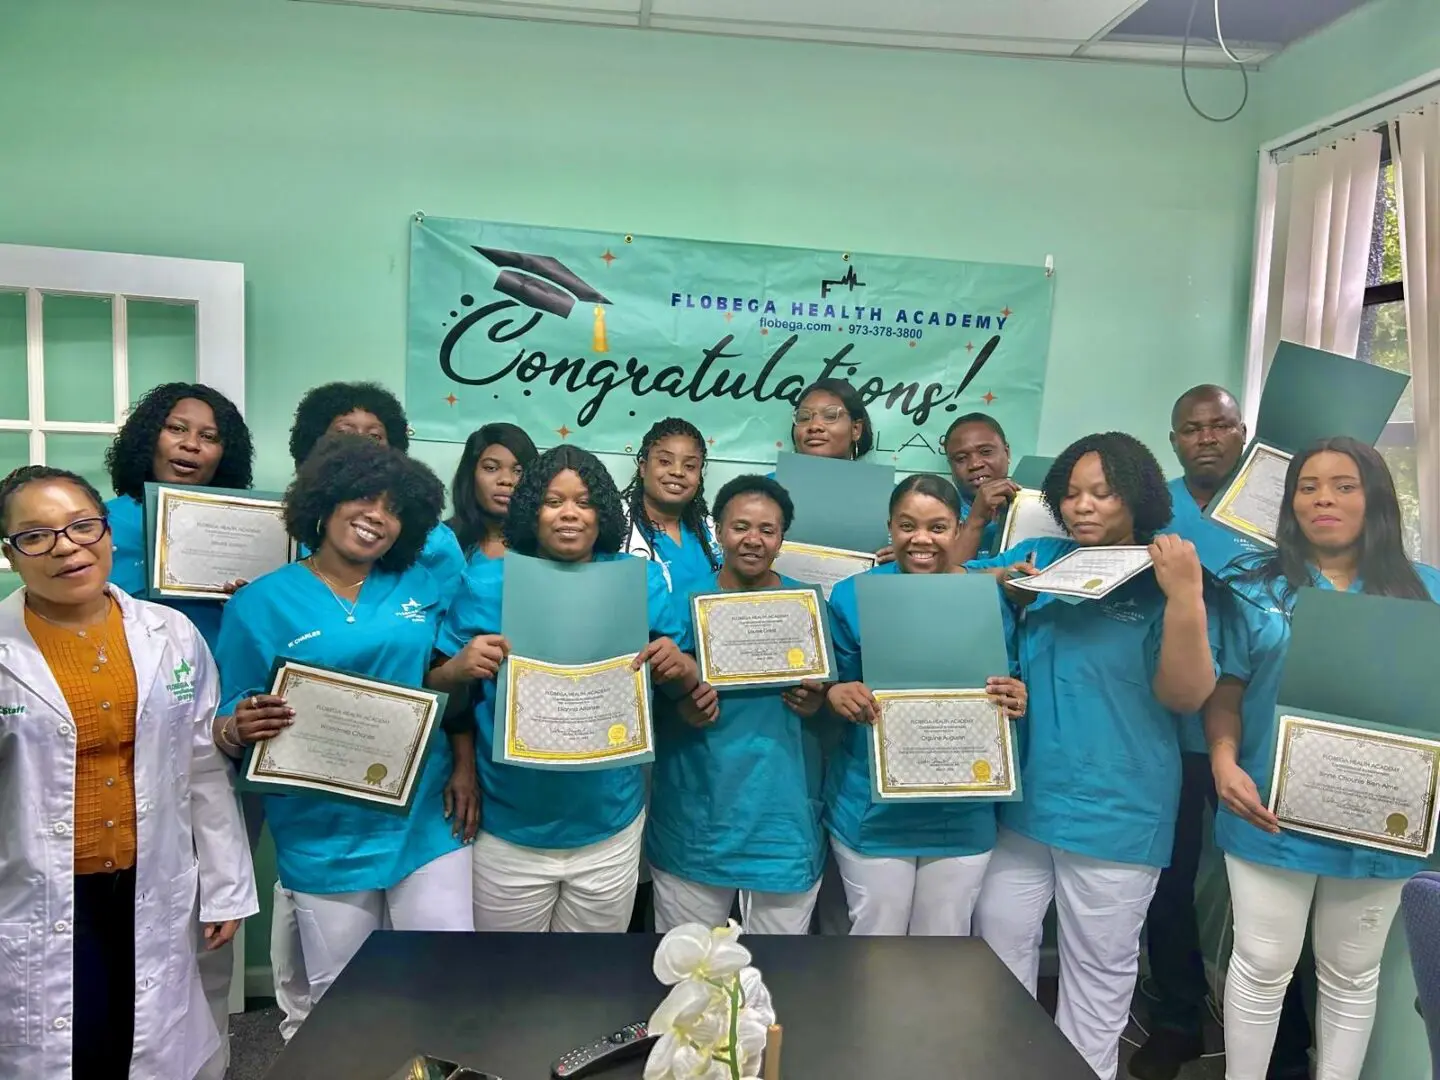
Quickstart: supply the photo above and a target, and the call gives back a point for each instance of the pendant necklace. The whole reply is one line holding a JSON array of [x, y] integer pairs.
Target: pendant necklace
[[335, 591]]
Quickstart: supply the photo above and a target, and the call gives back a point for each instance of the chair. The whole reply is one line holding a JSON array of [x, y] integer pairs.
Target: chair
[[1420, 907]]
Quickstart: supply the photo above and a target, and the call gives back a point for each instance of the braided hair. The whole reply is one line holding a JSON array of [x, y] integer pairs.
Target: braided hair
[[695, 512]]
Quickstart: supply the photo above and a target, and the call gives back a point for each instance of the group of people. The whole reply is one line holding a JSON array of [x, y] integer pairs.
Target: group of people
[[125, 854]]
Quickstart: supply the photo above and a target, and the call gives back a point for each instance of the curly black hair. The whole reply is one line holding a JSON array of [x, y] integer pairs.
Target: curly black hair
[[753, 484], [1383, 566], [854, 405], [468, 521], [521, 523], [322, 404], [30, 474], [695, 512], [130, 457], [346, 467], [1132, 473]]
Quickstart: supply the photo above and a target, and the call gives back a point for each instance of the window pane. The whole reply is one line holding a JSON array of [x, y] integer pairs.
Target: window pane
[[161, 344], [83, 454], [1401, 459], [1384, 266], [14, 404], [14, 451], [78, 379], [1383, 341]]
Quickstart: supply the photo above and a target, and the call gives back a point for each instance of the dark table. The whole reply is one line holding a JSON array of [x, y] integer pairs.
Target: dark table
[[509, 1004]]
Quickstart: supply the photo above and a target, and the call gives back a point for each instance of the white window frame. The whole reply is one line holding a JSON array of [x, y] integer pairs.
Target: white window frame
[[215, 289]]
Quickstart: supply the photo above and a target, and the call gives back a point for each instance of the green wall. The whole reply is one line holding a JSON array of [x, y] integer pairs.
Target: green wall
[[297, 138]]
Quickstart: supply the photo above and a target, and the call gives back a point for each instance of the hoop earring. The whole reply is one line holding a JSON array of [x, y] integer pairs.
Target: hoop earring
[[854, 451]]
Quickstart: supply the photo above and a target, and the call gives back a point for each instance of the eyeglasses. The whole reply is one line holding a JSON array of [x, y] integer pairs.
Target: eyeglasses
[[35, 542], [830, 413]]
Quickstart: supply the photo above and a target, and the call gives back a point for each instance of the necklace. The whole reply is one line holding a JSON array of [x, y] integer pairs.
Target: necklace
[[336, 590]]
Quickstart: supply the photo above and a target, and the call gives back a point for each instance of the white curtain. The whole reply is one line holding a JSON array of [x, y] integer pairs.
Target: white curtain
[[1417, 189], [1324, 218]]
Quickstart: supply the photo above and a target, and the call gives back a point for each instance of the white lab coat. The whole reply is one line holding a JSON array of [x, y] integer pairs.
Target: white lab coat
[[191, 845]]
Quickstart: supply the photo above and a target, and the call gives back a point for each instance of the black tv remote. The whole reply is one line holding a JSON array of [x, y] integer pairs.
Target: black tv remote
[[630, 1041]]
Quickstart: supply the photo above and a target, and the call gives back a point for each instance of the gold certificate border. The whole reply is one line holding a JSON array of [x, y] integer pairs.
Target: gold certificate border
[[515, 748], [1029, 582], [1290, 726], [1224, 510], [166, 499], [908, 791], [704, 605], [820, 551], [263, 766]]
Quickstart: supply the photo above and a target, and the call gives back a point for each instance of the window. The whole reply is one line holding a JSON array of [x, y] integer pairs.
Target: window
[[1383, 341]]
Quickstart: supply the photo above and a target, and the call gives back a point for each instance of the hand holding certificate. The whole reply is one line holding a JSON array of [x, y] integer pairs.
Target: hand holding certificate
[[768, 637], [352, 737], [1088, 573], [201, 539]]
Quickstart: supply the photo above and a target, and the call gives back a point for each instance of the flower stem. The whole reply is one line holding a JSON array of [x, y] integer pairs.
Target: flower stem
[[735, 994]]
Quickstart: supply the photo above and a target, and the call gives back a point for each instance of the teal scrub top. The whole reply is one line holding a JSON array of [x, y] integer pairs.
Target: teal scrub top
[[1099, 755], [127, 530], [887, 829], [441, 556], [991, 536], [737, 804], [324, 845], [686, 561], [540, 808], [1256, 638]]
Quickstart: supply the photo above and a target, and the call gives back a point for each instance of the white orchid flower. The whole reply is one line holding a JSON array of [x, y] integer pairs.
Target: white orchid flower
[[757, 994], [752, 1031], [695, 951]]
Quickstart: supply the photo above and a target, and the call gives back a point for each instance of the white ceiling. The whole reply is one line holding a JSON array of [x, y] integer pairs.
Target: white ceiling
[[1077, 29]]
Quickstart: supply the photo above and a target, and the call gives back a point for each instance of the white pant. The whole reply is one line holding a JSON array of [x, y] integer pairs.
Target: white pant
[[1101, 907], [588, 889], [931, 897], [1272, 907], [217, 969], [287, 966], [679, 901], [333, 926]]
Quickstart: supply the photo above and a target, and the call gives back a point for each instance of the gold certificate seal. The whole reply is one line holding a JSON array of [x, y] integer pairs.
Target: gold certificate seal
[[1093, 583], [376, 774], [617, 734], [795, 658], [1397, 825], [981, 770]]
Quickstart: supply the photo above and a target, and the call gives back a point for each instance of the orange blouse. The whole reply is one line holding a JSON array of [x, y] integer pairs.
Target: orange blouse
[[96, 675]]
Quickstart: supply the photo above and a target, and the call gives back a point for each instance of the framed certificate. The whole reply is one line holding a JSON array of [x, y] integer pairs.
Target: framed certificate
[[823, 566], [573, 716], [1250, 503], [353, 738], [1028, 519], [197, 539], [1088, 573], [939, 745], [769, 637], [1375, 788]]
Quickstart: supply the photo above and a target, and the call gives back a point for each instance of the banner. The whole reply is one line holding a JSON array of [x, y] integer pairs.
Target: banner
[[591, 337]]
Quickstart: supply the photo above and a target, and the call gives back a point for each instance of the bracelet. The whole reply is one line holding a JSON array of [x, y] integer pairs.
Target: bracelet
[[225, 741]]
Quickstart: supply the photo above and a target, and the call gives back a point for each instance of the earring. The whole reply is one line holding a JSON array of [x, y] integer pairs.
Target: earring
[[854, 450]]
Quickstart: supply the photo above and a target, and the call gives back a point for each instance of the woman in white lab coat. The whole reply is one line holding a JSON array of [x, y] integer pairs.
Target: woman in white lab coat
[[119, 818]]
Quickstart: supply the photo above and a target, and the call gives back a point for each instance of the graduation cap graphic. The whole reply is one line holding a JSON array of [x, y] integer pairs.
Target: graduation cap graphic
[[546, 284]]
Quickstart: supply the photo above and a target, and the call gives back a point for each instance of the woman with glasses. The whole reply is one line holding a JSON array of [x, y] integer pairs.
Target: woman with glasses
[[361, 602], [494, 459], [831, 421], [1339, 529], [665, 505], [118, 813]]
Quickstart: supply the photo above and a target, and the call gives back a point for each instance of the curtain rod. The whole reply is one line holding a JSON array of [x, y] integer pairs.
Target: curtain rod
[[1403, 94]]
